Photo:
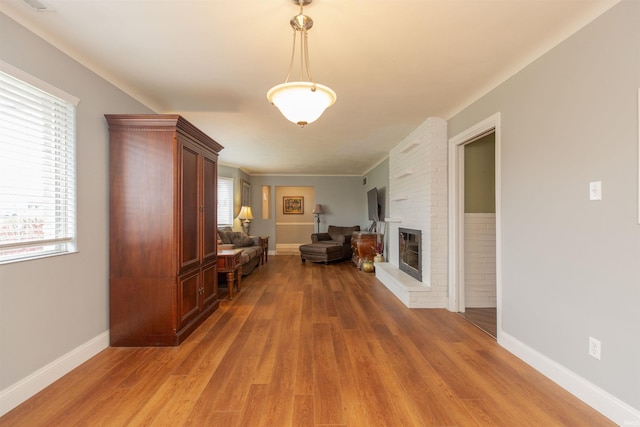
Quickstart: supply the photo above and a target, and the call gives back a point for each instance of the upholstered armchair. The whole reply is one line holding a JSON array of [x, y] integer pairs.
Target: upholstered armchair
[[333, 245]]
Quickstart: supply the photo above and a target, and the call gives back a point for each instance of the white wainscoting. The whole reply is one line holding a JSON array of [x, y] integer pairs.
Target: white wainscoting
[[480, 260]]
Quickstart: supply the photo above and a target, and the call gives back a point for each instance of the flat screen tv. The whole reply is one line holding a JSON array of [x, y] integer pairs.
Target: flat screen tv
[[374, 208]]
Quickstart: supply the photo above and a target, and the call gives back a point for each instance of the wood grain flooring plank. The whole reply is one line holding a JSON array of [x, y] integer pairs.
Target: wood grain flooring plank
[[304, 370], [236, 372], [353, 406], [439, 403], [106, 387], [303, 411], [309, 344], [90, 380], [158, 409], [327, 399], [215, 419], [278, 409], [372, 390], [209, 366], [389, 367], [320, 299], [251, 413], [416, 389], [345, 310]]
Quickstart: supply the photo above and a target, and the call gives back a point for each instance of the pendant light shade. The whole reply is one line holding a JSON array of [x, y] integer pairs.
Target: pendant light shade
[[301, 102]]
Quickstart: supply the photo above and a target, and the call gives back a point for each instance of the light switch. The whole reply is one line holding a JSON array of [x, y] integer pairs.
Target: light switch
[[595, 190]]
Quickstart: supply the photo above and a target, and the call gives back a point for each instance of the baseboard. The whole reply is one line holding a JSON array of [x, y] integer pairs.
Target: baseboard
[[27, 387], [603, 402], [288, 248]]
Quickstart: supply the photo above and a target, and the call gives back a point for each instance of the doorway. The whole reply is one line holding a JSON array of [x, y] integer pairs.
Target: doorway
[[474, 213]]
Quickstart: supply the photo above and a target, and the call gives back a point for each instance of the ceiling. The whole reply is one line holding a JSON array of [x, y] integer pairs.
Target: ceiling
[[392, 64]]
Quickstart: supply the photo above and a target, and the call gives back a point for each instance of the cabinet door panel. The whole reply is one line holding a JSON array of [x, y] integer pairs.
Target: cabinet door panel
[[209, 187], [188, 297], [210, 284], [189, 236]]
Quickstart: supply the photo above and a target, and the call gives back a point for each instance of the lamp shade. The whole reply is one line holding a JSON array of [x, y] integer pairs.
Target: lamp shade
[[318, 210], [245, 213], [301, 102]]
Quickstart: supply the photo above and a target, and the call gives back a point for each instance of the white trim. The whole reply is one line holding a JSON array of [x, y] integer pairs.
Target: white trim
[[36, 82], [603, 402], [456, 212], [27, 387], [288, 248]]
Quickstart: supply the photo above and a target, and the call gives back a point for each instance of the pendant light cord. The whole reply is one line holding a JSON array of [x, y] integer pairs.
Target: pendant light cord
[[304, 51]]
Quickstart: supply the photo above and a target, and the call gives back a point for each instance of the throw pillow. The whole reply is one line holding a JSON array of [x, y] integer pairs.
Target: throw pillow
[[224, 236], [240, 238]]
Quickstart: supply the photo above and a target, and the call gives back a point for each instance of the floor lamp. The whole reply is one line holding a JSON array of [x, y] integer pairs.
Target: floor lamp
[[317, 211]]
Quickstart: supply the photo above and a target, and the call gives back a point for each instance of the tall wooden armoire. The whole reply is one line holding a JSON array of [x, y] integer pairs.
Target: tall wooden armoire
[[163, 279]]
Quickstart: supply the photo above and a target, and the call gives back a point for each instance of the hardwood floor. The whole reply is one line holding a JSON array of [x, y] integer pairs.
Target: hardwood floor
[[311, 345], [483, 318]]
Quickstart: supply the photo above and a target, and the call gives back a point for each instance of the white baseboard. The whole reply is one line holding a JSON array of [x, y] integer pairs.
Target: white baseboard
[[603, 402], [288, 248], [27, 387]]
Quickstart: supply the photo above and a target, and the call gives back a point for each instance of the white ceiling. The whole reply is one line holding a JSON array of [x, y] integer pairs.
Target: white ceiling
[[392, 63]]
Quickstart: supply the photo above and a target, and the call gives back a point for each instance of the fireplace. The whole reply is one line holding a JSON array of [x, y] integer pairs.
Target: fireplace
[[410, 257]]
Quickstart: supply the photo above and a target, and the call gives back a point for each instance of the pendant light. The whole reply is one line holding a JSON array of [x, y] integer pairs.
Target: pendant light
[[301, 102]]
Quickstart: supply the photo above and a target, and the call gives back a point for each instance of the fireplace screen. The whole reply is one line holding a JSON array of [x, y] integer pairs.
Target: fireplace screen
[[411, 252]]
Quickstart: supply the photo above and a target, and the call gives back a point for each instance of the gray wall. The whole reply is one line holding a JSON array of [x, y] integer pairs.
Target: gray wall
[[378, 177], [342, 198], [571, 267], [50, 306], [479, 175]]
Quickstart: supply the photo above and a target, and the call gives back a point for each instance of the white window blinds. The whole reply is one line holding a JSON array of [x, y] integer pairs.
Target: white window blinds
[[225, 201], [37, 167]]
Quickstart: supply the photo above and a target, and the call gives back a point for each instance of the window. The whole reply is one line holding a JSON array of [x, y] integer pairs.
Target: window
[[37, 168], [225, 202]]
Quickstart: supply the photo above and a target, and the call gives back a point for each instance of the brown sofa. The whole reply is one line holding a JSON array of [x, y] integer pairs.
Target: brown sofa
[[334, 245], [250, 245]]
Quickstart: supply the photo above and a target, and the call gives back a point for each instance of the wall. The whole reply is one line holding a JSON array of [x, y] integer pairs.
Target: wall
[[342, 198], [479, 175], [54, 311], [293, 230], [571, 267]]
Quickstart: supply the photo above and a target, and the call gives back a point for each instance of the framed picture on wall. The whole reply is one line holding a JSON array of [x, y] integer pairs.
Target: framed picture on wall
[[292, 205], [246, 193]]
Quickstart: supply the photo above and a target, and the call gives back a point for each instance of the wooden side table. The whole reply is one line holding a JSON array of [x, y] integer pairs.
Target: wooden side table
[[264, 244], [230, 262], [363, 247]]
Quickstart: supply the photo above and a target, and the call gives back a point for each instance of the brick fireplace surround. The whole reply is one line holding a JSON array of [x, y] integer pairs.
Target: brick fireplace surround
[[418, 199]]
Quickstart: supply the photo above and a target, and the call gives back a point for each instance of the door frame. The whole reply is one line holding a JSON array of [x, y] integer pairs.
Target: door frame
[[456, 213]]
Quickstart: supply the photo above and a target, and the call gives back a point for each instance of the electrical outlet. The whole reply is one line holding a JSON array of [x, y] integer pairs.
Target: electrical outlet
[[594, 347], [595, 190]]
